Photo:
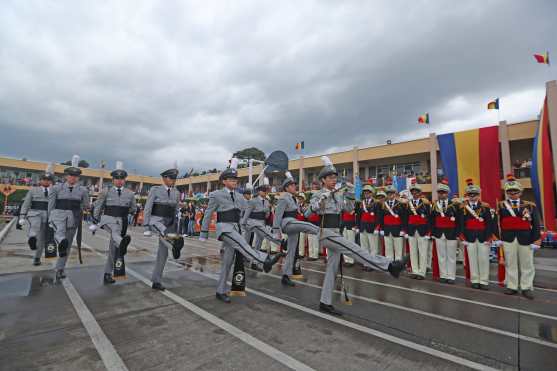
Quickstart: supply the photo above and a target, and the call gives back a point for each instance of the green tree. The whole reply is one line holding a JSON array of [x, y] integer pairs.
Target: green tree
[[252, 152]]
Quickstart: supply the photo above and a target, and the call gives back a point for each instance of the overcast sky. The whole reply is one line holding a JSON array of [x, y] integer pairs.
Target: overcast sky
[[150, 82]]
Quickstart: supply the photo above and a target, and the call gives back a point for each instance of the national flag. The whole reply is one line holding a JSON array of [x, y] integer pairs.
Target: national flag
[[542, 58], [299, 146], [494, 104], [424, 119]]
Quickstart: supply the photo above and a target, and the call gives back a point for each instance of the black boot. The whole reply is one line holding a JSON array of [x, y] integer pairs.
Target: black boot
[[398, 266], [124, 244], [36, 261], [476, 286], [32, 243], [158, 286], [223, 297], [329, 309], [510, 291], [270, 261], [63, 248], [60, 275], [108, 279], [528, 294], [177, 246], [286, 281]]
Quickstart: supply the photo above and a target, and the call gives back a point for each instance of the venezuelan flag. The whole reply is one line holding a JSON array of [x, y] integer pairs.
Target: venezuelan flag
[[423, 119], [542, 58], [542, 175], [494, 104], [472, 154]]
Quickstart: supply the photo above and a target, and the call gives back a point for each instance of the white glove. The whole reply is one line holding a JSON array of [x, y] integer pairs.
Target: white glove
[[93, 227], [499, 243], [324, 195], [427, 237], [21, 221], [375, 231], [534, 247], [202, 239], [382, 233], [147, 233], [402, 234], [465, 243]]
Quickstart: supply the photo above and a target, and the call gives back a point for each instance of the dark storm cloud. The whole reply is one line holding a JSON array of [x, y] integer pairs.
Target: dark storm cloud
[[150, 83]]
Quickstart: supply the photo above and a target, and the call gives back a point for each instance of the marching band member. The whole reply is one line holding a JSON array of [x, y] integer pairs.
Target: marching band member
[[444, 228], [35, 211], [476, 228], [520, 233], [369, 221], [418, 230], [393, 217], [228, 204]]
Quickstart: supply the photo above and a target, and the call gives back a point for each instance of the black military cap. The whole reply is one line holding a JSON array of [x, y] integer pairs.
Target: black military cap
[[119, 174], [170, 173], [229, 173], [47, 176], [247, 191], [72, 170]]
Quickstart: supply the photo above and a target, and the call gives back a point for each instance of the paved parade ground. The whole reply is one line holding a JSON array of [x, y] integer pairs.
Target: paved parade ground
[[402, 324]]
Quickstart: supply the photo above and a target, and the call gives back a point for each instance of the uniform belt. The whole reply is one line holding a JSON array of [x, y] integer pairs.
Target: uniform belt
[[290, 214], [162, 210], [330, 220], [228, 216], [66, 204], [260, 215], [116, 211], [39, 205]]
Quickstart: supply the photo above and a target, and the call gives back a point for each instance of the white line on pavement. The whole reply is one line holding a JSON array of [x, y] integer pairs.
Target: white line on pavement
[[109, 356]]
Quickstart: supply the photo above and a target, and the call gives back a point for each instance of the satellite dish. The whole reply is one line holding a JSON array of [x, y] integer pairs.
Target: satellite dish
[[276, 163]]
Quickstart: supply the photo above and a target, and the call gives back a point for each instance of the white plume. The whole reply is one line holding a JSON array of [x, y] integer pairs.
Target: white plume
[[265, 181], [249, 186], [234, 163], [49, 168], [119, 165], [326, 161], [75, 160], [288, 175]]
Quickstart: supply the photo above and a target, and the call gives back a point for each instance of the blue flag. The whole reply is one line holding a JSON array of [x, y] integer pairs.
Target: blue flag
[[358, 188]]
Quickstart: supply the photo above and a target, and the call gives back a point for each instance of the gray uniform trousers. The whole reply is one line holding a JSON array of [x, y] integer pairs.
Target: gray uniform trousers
[[62, 231], [261, 232], [115, 231], [162, 251], [336, 245], [38, 228]]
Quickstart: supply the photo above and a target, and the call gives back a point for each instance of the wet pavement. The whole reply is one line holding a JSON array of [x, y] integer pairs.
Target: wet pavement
[[393, 324]]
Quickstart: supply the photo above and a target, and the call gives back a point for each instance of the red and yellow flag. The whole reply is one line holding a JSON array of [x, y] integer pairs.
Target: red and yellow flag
[[542, 58]]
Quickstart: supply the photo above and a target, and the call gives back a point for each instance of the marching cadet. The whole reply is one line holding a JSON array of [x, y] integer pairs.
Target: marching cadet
[[444, 228], [254, 217], [228, 204], [34, 210], [110, 212], [66, 204], [160, 216], [418, 231], [369, 223], [476, 227], [393, 217], [328, 203], [520, 233]]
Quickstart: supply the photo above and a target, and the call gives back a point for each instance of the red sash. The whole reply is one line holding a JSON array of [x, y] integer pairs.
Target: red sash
[[444, 222], [417, 220], [314, 218], [368, 218], [475, 225], [515, 223], [348, 217], [300, 217], [391, 220]]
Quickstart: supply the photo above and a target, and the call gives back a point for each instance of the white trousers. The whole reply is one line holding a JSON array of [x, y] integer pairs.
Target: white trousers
[[478, 256], [350, 235], [394, 247], [419, 253], [446, 255], [313, 246], [370, 242], [519, 263]]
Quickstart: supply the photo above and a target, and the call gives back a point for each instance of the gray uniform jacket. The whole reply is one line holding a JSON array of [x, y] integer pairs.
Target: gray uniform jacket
[[286, 203], [335, 203], [35, 194], [64, 192], [219, 201], [256, 205], [159, 195], [109, 197]]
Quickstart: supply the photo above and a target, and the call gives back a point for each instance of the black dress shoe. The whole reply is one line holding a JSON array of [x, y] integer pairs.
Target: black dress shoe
[[223, 297], [270, 261], [450, 282], [108, 279], [158, 286], [398, 266], [286, 281], [60, 275], [63, 248], [442, 280], [32, 243], [484, 287], [124, 244], [528, 294], [177, 247], [329, 309], [510, 291], [420, 278], [36, 261], [475, 285]]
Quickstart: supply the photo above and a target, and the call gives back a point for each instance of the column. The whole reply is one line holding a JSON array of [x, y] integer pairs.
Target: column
[[355, 165], [433, 164], [366, 173], [505, 148], [208, 186], [302, 175], [551, 88]]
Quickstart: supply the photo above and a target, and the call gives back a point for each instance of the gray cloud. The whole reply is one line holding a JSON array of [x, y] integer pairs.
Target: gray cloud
[[150, 82]]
